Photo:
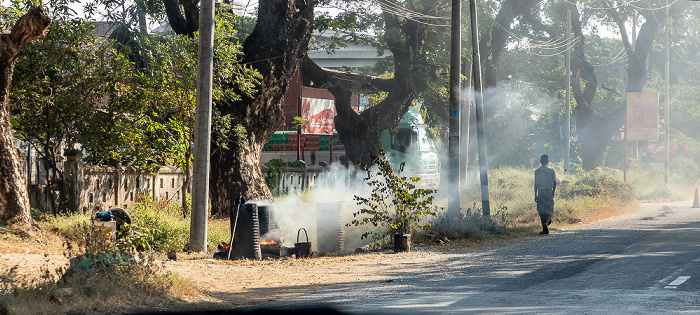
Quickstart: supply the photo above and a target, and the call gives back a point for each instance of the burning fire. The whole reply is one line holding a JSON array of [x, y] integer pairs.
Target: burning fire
[[271, 239]]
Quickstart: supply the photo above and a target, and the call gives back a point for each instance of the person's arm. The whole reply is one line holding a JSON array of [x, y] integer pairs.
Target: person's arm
[[554, 182], [535, 188]]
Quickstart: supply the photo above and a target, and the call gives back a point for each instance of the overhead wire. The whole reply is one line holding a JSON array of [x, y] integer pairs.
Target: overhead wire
[[627, 4], [687, 60]]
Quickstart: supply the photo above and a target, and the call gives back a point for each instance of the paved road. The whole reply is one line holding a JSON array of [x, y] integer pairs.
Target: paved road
[[647, 262]]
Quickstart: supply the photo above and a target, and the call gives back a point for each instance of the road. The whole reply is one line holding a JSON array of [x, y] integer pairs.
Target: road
[[646, 262]]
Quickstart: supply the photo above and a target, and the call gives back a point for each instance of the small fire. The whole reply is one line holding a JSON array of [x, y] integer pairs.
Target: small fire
[[271, 239]]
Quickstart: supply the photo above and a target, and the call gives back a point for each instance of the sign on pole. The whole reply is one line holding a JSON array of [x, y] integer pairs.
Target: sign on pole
[[319, 113], [642, 119]]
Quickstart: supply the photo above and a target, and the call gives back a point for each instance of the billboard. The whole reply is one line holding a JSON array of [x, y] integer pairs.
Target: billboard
[[319, 112], [642, 119]]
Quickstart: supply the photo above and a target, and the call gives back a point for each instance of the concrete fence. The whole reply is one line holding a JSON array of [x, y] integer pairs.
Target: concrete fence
[[91, 188]]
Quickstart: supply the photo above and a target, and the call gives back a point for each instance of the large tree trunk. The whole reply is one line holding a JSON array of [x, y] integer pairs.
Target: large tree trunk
[[14, 200], [275, 49], [359, 133], [593, 129]]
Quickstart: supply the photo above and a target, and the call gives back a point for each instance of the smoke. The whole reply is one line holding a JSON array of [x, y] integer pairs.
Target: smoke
[[517, 128], [521, 122], [332, 191]]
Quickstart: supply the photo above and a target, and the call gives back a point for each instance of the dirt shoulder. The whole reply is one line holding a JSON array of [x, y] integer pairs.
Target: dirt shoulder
[[242, 283]]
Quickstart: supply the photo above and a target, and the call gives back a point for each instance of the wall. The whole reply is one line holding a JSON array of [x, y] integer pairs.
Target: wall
[[92, 188]]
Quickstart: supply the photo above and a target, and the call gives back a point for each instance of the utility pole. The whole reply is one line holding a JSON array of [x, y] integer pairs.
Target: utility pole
[[666, 122], [200, 165], [453, 207], [567, 122], [479, 100]]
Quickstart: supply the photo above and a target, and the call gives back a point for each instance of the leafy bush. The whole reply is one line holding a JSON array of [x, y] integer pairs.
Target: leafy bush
[[395, 204], [599, 182], [156, 224], [160, 223]]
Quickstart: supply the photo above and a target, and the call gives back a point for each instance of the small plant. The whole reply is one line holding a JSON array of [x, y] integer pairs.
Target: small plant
[[395, 205], [299, 123]]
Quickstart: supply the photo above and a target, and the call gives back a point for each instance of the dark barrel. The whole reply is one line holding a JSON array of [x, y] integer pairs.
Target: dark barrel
[[266, 216], [246, 241], [329, 227]]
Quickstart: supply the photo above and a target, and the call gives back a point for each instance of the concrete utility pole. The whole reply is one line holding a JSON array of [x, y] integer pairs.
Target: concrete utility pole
[[200, 165], [668, 98], [479, 100], [453, 207], [567, 122]]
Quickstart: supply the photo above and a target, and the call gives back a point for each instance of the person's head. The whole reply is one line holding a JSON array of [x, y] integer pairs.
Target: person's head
[[544, 159]]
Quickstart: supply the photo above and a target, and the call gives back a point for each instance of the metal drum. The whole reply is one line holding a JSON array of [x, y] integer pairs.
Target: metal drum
[[329, 227], [266, 217], [246, 241]]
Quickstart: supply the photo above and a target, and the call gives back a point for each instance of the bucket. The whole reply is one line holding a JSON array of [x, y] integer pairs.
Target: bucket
[[329, 223], [303, 249], [246, 241]]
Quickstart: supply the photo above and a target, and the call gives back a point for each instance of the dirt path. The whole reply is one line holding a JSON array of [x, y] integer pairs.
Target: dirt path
[[247, 283]]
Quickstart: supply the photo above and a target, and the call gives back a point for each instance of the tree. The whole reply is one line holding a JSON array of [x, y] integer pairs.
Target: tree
[[274, 49], [414, 69], [14, 200], [72, 89], [172, 76], [593, 128]]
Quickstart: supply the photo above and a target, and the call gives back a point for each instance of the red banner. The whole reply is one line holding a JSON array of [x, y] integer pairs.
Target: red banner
[[319, 113]]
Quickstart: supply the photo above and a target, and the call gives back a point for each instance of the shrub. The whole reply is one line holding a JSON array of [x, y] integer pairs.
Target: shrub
[[395, 204], [156, 224], [471, 223]]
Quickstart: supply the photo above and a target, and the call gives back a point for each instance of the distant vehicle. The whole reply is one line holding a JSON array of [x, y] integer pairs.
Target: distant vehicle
[[411, 143]]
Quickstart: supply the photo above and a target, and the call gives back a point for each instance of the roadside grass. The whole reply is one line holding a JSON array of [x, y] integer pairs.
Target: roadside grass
[[649, 183], [107, 278], [580, 198], [102, 286], [163, 221]]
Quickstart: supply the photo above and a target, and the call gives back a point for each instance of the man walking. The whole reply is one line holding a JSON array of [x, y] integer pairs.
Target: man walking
[[545, 184]]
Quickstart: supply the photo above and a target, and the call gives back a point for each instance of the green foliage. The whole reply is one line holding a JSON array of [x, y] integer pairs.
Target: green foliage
[[395, 205], [299, 123], [157, 225], [275, 167], [600, 182]]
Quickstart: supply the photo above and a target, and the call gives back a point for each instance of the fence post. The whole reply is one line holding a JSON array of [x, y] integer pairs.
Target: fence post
[[73, 179]]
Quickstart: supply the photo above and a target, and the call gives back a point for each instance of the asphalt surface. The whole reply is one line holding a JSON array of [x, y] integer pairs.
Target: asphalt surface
[[644, 263]]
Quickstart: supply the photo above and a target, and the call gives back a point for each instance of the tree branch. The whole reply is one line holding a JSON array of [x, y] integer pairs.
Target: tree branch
[[181, 24], [615, 16], [31, 26]]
